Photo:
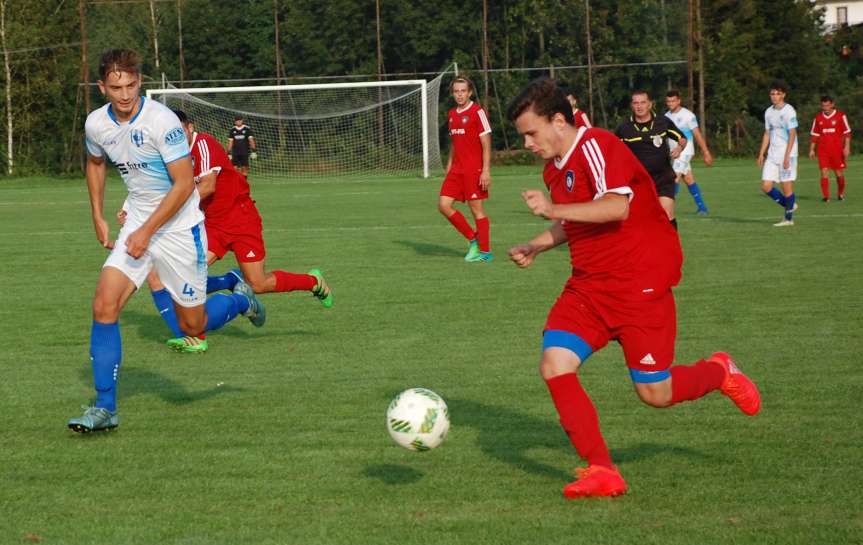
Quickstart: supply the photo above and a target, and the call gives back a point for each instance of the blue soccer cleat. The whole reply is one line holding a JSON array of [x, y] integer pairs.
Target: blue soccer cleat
[[256, 312]]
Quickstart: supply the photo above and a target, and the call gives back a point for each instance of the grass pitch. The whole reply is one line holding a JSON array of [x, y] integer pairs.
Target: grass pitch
[[277, 435]]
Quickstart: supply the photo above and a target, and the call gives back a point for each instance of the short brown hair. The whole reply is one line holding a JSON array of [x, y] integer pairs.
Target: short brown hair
[[119, 60], [544, 97], [463, 79]]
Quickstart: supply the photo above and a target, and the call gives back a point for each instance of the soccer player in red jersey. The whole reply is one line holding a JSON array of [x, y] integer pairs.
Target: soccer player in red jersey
[[580, 116], [831, 134], [625, 259], [233, 223], [468, 170]]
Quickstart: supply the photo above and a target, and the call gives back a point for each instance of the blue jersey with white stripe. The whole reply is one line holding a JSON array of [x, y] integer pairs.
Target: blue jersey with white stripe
[[141, 149], [778, 123]]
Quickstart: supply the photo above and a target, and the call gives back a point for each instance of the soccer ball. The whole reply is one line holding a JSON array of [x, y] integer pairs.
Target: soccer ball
[[418, 419]]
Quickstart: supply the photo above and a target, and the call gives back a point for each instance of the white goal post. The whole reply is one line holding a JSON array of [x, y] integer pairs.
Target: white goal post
[[327, 129]]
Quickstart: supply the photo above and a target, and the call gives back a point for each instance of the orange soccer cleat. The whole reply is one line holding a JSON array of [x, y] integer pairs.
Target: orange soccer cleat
[[595, 481], [737, 386]]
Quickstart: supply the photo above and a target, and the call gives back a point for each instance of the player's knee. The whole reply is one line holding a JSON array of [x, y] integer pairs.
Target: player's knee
[[655, 399], [445, 208], [258, 285], [105, 310], [192, 326]]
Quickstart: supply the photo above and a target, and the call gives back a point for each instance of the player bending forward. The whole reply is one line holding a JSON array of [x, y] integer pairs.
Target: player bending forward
[[164, 229], [625, 258], [233, 224]]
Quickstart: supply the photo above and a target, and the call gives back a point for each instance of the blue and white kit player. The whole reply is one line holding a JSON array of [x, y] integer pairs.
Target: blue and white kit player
[[164, 227], [687, 122], [780, 144]]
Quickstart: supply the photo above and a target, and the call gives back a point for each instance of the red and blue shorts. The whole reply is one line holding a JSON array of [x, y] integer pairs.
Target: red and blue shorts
[[584, 322], [463, 186]]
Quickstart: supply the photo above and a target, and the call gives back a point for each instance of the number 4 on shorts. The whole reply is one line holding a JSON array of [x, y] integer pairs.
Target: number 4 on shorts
[[187, 290]]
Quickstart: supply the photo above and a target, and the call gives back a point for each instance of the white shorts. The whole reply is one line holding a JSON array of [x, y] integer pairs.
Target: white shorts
[[681, 164], [180, 260], [773, 171]]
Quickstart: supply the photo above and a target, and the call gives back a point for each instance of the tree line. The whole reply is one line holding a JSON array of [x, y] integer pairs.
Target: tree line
[[721, 54]]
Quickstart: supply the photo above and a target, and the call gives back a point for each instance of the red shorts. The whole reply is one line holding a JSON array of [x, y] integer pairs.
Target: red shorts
[[242, 234], [645, 328], [463, 186], [831, 158]]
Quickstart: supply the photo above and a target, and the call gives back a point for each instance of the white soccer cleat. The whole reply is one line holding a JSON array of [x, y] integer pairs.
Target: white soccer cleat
[[784, 223]]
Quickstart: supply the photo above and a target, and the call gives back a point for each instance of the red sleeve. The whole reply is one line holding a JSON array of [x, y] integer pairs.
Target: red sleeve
[[481, 122], [816, 130], [847, 125], [609, 169]]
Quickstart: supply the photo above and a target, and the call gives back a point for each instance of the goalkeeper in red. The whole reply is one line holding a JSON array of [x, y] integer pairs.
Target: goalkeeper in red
[[468, 170], [831, 134], [626, 257]]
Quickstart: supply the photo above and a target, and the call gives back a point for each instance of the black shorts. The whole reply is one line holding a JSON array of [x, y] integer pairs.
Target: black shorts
[[665, 183], [240, 160]]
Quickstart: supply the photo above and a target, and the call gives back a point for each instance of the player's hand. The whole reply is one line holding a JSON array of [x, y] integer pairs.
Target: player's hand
[[675, 153], [538, 202], [708, 159], [230, 157], [760, 160], [522, 255], [137, 243], [786, 163], [254, 155], [103, 233], [484, 180], [121, 216], [812, 154], [846, 152]]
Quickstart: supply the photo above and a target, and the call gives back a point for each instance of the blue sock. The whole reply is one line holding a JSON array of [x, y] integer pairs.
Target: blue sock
[[105, 354], [222, 308], [777, 196], [695, 191], [789, 206], [676, 188], [219, 283], [165, 306]]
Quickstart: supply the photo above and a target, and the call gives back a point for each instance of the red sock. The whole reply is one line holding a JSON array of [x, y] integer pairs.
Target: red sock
[[578, 418], [689, 382], [482, 234], [286, 281], [825, 188], [840, 181], [461, 224]]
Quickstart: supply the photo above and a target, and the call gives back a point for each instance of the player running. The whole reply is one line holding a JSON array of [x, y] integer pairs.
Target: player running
[[625, 258], [164, 229], [468, 170], [233, 224], [686, 121], [780, 144], [831, 134]]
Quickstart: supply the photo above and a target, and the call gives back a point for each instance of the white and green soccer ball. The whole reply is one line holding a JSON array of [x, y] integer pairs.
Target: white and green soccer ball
[[418, 419]]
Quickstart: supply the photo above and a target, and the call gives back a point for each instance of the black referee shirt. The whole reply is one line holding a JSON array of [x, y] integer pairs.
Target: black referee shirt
[[649, 142]]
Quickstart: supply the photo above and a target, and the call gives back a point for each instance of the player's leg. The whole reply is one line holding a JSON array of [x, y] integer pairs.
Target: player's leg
[[218, 244], [563, 353], [786, 180], [769, 178], [665, 187], [840, 182], [483, 235], [164, 304], [825, 182], [451, 191], [695, 191]]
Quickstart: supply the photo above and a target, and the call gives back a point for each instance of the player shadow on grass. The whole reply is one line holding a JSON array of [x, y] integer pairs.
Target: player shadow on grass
[[509, 436], [393, 474], [136, 381], [429, 249]]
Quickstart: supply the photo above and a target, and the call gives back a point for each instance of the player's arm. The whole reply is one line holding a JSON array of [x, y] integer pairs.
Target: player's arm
[[610, 207], [181, 173], [765, 141], [207, 183], [702, 145], [674, 133], [813, 141], [485, 175], [846, 150], [524, 254], [96, 172], [792, 137]]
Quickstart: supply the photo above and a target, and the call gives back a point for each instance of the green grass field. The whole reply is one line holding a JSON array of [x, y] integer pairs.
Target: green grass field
[[277, 435]]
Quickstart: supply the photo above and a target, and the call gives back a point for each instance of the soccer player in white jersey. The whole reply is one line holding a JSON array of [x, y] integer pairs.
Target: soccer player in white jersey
[[164, 229], [779, 143], [688, 123]]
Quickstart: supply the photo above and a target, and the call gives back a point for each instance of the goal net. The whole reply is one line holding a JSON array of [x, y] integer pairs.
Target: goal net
[[336, 129]]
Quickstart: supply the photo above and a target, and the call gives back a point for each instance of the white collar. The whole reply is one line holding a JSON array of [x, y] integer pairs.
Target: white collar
[[466, 106], [565, 159], [831, 115]]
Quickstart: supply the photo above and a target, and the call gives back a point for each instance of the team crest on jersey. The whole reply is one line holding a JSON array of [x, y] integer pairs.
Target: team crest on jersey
[[175, 136], [570, 180], [464, 119], [833, 122], [137, 136], [657, 140]]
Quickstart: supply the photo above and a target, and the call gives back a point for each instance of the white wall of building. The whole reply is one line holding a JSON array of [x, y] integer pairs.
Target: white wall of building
[[853, 9]]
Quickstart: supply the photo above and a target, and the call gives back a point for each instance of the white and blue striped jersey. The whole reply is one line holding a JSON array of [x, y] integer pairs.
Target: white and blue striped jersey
[[778, 124], [141, 149], [686, 122]]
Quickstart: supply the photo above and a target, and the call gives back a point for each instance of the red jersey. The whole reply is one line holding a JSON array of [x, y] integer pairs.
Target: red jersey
[[640, 255], [230, 203], [466, 125], [829, 131], [581, 119]]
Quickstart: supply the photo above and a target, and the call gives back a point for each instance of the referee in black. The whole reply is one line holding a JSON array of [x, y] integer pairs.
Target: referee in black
[[647, 136]]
